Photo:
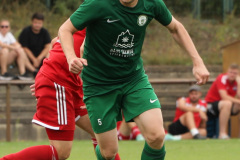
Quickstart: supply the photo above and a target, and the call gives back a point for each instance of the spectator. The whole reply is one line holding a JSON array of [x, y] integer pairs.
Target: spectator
[[221, 99], [35, 40], [11, 50], [129, 131], [190, 118]]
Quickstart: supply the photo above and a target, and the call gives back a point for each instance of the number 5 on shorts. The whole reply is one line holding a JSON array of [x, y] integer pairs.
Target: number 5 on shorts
[[99, 122]]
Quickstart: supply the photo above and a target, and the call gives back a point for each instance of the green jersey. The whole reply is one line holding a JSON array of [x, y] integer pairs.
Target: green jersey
[[115, 36]]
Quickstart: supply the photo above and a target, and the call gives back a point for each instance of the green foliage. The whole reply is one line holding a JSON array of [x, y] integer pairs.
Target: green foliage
[[159, 46], [181, 7], [65, 7], [208, 37]]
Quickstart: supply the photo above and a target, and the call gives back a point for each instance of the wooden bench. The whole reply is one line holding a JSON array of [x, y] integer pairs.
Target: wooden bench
[[169, 106]]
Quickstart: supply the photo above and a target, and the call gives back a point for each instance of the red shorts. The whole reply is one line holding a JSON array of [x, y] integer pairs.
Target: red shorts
[[57, 106]]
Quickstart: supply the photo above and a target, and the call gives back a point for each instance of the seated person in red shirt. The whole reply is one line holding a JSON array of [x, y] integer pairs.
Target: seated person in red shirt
[[222, 100], [190, 118]]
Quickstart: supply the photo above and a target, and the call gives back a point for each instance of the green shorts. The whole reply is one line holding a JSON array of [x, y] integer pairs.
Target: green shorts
[[105, 102]]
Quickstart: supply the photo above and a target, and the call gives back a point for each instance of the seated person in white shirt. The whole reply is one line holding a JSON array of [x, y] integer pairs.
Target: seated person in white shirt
[[11, 50]]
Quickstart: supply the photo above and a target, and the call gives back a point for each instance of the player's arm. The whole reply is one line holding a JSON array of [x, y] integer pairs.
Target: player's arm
[[182, 37], [224, 96], [182, 106], [82, 48], [65, 34]]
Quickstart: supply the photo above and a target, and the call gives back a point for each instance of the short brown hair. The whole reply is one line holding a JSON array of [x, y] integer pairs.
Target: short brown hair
[[38, 16], [234, 66]]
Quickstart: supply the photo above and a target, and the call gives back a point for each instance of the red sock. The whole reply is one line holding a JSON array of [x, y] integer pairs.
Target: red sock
[[94, 141], [46, 152], [135, 132], [117, 157], [122, 137]]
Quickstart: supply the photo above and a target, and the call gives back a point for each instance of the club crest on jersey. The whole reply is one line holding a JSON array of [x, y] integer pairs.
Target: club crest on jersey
[[124, 46], [142, 19], [125, 40]]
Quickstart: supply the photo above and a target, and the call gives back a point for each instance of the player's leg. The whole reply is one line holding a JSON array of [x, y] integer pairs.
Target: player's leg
[[46, 152], [62, 142], [124, 131], [154, 134], [224, 107], [84, 123], [135, 132], [107, 146], [141, 104], [57, 101], [103, 111]]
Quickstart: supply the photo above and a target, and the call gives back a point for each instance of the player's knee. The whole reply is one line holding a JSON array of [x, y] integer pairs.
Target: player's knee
[[109, 154], [155, 137], [63, 155]]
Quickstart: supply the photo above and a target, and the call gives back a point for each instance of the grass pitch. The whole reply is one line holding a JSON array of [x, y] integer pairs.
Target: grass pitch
[[131, 150]]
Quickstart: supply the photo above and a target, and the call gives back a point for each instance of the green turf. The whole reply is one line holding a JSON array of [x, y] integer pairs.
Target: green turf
[[131, 150]]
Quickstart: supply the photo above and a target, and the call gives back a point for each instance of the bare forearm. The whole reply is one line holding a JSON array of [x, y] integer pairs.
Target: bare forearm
[[182, 37], [44, 52], [65, 34], [29, 53]]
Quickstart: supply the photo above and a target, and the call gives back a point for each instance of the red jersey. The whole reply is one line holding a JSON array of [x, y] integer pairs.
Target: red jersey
[[201, 105], [56, 67], [221, 83]]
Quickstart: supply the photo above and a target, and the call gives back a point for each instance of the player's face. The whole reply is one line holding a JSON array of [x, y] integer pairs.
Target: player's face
[[4, 27], [129, 3], [37, 24], [232, 74], [195, 96]]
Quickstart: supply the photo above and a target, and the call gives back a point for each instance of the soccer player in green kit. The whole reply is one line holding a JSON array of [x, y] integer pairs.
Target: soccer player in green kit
[[112, 68]]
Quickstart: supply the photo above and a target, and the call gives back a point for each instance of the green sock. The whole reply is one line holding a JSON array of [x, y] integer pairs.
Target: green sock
[[153, 154], [98, 153]]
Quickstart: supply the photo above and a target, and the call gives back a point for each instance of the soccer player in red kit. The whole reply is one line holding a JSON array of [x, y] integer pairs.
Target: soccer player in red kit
[[59, 106]]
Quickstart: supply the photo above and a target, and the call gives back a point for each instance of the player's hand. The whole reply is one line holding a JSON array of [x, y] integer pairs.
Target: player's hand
[[201, 74], [76, 65], [32, 89], [83, 107], [203, 115]]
